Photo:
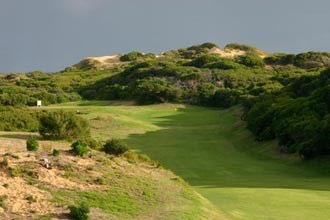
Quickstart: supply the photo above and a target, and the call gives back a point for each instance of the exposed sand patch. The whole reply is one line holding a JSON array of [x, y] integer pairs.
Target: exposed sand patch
[[227, 53], [17, 200], [232, 53], [16, 142], [106, 59], [23, 199]]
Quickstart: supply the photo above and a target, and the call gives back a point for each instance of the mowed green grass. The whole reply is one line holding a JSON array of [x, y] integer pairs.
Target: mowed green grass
[[213, 152]]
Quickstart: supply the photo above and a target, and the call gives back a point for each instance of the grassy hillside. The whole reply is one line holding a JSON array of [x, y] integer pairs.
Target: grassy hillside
[[114, 187], [212, 150]]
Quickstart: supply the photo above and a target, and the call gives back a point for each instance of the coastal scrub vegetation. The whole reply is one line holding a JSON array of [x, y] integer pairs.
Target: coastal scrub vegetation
[[285, 96]]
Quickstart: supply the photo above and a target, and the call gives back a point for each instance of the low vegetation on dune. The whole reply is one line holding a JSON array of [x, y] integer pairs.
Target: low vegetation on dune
[[298, 117], [110, 187], [193, 75]]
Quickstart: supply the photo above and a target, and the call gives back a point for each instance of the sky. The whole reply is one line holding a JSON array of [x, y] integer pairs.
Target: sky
[[50, 35]]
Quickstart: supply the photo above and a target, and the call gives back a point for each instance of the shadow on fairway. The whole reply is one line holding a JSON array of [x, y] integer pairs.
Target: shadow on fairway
[[204, 147]]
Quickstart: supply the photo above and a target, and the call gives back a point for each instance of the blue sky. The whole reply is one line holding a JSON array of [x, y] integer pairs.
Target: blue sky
[[50, 35]]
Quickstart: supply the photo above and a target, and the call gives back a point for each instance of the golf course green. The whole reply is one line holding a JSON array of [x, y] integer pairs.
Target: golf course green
[[212, 151]]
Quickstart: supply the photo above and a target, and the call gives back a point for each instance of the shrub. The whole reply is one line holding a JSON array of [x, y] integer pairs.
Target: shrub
[[135, 157], [224, 64], [27, 120], [56, 153], [4, 163], [280, 59], [114, 147], [2, 200], [150, 91], [251, 61], [312, 60], [248, 49], [244, 47], [87, 64], [79, 148], [30, 198], [205, 93], [203, 60], [63, 125], [32, 144], [132, 56], [225, 98], [79, 212], [206, 45], [92, 143]]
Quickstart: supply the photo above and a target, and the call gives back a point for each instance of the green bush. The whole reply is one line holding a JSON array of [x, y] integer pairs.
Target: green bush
[[280, 59], [32, 144], [249, 50], [224, 64], [135, 157], [63, 125], [206, 92], [2, 200], [203, 60], [114, 147], [27, 120], [312, 60], [56, 153], [195, 51], [299, 117], [79, 148], [88, 64], [92, 143], [79, 212], [225, 98], [251, 61], [132, 56], [244, 47], [150, 91]]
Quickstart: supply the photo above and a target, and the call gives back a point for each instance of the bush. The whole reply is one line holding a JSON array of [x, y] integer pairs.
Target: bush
[[244, 47], [132, 56], [79, 148], [27, 120], [225, 98], [2, 200], [88, 64], [201, 61], [224, 64], [149, 91], [205, 93], [92, 143], [312, 60], [32, 144], [280, 59], [63, 125], [79, 212], [56, 153], [135, 157], [251, 61], [114, 147]]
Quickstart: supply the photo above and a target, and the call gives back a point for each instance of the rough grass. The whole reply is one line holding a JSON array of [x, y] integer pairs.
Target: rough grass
[[211, 150], [113, 187]]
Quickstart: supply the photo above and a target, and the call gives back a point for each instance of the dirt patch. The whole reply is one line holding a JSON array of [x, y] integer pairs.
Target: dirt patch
[[23, 199], [106, 59], [16, 142]]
